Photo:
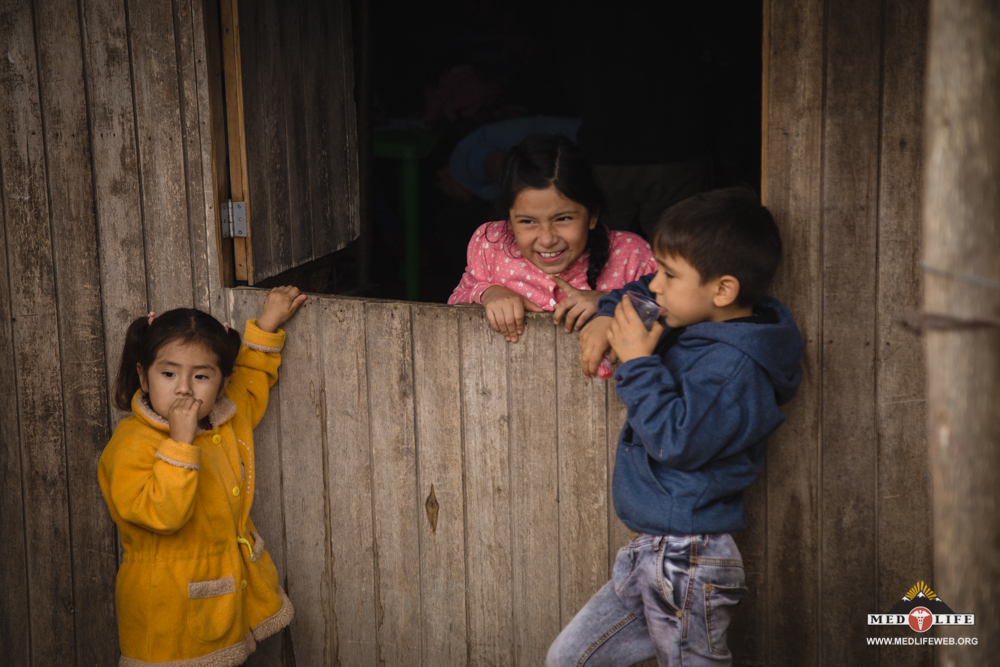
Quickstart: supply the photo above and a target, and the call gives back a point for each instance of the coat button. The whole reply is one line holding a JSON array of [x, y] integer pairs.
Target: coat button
[[236, 490], [243, 584], [216, 438]]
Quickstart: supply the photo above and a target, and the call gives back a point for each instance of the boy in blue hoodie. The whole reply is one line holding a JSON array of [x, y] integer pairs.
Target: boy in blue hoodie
[[702, 394]]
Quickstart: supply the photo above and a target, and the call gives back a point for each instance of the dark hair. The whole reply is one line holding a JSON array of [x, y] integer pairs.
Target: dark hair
[[541, 160], [184, 325], [724, 232]]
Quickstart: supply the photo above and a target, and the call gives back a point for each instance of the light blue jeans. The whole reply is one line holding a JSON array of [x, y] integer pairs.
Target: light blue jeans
[[670, 597]]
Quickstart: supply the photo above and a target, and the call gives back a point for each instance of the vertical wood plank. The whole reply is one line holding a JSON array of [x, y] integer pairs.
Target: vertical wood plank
[[618, 534], [962, 239], [437, 380], [14, 621], [534, 489], [187, 78], [748, 630], [267, 511], [273, 163], [795, 93], [394, 482], [343, 198], [349, 480], [304, 484], [237, 124], [850, 210], [905, 538], [81, 332], [37, 366], [487, 491], [294, 59], [583, 483], [196, 118], [212, 111], [115, 174], [319, 51], [161, 154]]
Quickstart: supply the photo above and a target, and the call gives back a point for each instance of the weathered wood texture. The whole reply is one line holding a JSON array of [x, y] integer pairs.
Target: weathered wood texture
[[301, 135], [839, 522], [105, 181], [962, 256], [448, 499]]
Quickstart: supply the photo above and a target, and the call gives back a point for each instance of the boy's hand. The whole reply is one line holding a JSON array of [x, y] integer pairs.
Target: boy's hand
[[505, 311], [628, 336], [279, 307], [183, 419], [594, 343], [578, 306]]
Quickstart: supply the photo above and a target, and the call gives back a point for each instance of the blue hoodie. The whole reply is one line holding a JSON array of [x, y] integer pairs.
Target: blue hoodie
[[698, 420]]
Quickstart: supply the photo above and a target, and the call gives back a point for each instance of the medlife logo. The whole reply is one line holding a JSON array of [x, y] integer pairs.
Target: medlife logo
[[921, 609]]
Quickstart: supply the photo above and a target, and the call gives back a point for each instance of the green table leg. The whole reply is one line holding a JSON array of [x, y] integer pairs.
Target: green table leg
[[409, 197]]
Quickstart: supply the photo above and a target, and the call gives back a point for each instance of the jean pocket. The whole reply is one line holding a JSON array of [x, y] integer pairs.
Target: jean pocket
[[664, 581], [624, 565], [720, 603]]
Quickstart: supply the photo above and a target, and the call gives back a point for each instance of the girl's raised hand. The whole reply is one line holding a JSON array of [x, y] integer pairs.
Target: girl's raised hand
[[578, 306], [279, 307], [183, 419], [505, 311]]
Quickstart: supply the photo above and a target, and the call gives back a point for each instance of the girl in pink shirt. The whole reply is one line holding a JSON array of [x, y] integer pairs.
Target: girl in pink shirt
[[550, 254]]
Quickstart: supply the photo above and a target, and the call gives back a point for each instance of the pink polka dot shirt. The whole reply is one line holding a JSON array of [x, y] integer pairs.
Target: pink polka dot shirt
[[494, 259]]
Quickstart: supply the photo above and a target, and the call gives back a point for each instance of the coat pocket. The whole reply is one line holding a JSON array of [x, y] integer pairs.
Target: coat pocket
[[211, 608]]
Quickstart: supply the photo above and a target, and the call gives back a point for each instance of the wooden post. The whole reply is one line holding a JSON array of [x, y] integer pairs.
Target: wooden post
[[962, 264]]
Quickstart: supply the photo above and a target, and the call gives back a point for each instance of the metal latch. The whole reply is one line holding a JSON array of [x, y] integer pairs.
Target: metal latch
[[234, 219]]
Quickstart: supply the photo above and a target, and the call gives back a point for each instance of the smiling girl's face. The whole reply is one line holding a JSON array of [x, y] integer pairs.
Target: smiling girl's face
[[550, 230], [181, 370]]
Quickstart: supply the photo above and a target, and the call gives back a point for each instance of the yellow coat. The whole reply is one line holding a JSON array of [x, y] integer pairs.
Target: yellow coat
[[195, 587]]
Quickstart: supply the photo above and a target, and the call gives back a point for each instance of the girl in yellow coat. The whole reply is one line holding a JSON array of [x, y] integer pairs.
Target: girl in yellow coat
[[196, 587]]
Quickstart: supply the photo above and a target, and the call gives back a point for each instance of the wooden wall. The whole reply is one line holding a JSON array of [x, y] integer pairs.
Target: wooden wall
[[105, 181], [842, 523], [389, 413]]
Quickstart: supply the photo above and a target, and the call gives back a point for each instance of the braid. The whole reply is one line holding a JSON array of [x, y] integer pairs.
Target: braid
[[598, 245]]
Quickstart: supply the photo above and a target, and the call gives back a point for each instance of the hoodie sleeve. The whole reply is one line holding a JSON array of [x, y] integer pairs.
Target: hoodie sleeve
[[608, 303], [683, 422]]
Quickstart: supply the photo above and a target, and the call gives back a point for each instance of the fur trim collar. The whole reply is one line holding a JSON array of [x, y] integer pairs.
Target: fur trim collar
[[223, 410]]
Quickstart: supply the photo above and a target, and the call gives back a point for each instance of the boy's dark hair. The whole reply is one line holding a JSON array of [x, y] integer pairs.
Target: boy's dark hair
[[184, 325], [724, 232], [541, 160]]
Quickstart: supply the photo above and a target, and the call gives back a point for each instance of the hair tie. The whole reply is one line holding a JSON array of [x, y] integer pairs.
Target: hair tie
[[151, 316], [225, 325]]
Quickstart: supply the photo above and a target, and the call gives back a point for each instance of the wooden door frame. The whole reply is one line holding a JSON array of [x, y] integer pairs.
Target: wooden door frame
[[765, 46], [225, 82]]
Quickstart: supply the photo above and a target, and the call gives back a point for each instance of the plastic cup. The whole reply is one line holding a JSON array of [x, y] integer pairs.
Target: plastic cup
[[649, 311]]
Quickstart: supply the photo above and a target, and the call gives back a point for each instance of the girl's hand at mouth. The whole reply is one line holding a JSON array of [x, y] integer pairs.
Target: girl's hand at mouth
[[183, 419], [505, 311], [578, 306]]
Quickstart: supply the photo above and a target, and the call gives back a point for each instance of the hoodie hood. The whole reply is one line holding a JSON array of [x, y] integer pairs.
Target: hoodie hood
[[776, 348]]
